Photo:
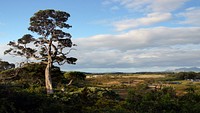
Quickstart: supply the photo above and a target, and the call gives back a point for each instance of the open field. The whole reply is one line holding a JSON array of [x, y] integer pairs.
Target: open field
[[121, 80], [122, 83]]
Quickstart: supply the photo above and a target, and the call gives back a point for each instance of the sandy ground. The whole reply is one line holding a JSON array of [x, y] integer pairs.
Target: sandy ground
[[150, 76], [131, 76]]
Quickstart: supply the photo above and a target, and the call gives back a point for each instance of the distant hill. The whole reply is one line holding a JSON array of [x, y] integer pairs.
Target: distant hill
[[194, 69]]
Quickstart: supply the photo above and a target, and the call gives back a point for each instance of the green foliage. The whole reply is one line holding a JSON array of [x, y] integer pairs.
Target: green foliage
[[75, 75], [31, 75], [90, 99], [4, 65], [19, 101], [190, 89], [49, 24], [162, 101], [187, 75], [20, 48], [74, 100]]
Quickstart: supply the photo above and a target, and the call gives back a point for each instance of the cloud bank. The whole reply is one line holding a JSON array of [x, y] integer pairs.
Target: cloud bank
[[141, 48]]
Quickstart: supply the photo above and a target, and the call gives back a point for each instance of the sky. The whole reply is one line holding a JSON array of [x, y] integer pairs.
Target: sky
[[116, 35]]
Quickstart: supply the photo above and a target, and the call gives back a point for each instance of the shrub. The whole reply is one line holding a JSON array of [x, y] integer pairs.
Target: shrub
[[75, 75], [75, 78], [30, 75], [4, 65], [187, 75]]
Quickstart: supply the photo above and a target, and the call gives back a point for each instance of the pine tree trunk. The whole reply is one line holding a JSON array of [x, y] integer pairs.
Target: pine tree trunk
[[48, 81]]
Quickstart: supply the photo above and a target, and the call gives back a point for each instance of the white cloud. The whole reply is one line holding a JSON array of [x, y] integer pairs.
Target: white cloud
[[142, 48], [150, 19], [142, 38], [150, 5], [166, 5], [191, 16], [137, 5]]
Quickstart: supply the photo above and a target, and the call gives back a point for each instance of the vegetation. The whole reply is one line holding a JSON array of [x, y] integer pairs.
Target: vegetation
[[187, 75], [75, 78], [75, 75], [25, 93], [50, 46], [4, 65]]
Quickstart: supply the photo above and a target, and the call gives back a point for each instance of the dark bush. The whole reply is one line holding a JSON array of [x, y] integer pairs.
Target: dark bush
[[31, 74], [187, 75], [76, 78], [4, 65], [75, 75]]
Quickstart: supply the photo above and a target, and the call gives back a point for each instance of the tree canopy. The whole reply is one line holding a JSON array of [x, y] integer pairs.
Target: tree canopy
[[47, 24]]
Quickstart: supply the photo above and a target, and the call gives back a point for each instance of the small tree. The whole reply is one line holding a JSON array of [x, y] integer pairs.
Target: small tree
[[4, 65], [49, 48], [74, 76]]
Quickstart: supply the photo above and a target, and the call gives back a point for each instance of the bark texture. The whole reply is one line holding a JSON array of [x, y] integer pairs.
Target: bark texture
[[48, 81]]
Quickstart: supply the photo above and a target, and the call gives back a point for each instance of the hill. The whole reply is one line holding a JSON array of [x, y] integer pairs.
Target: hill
[[190, 69]]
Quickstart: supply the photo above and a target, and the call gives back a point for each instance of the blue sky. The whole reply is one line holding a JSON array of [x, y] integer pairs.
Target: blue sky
[[117, 35], [14, 15]]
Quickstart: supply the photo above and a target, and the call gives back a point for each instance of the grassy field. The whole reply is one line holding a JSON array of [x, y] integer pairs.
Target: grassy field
[[122, 83]]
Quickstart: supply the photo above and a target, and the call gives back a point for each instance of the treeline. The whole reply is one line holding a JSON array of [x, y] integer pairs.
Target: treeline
[[187, 75]]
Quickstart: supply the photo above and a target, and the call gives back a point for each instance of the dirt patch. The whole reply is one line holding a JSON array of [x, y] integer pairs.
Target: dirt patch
[[112, 83], [144, 76], [151, 76]]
